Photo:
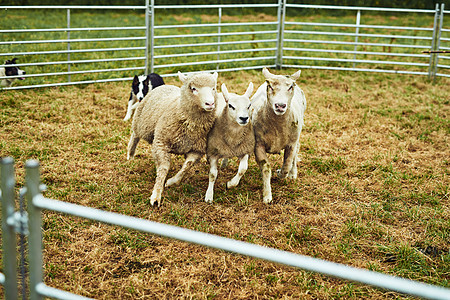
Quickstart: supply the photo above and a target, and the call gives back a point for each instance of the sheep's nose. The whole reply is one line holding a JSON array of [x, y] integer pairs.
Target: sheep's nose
[[282, 106], [243, 119]]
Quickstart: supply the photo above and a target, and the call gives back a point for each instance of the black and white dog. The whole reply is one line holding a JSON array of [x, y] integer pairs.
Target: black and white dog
[[10, 70], [140, 87]]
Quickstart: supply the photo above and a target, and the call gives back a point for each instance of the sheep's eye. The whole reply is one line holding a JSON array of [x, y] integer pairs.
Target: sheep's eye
[[249, 106], [193, 89], [231, 106], [291, 88]]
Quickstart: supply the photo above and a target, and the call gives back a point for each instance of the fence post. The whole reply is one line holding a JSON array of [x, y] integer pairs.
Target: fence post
[[438, 42], [68, 44], [219, 30], [358, 22], [149, 32], [433, 44], [280, 33], [8, 231], [32, 182]]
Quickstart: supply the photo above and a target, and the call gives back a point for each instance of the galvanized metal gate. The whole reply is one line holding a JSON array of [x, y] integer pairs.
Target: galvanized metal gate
[[30, 224], [80, 55]]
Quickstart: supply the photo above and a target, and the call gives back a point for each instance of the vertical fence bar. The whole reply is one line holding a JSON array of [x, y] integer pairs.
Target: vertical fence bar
[[8, 233], [280, 33], [438, 41], [152, 40], [358, 22], [147, 37], [34, 224], [150, 33], [219, 30], [68, 44], [433, 44]]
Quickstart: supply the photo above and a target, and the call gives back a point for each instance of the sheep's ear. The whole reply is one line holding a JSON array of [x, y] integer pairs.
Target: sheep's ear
[[249, 90], [14, 60], [296, 75], [215, 76], [182, 77], [226, 96], [266, 73]]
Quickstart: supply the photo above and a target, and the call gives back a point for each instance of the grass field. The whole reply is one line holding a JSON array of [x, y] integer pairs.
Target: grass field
[[372, 192]]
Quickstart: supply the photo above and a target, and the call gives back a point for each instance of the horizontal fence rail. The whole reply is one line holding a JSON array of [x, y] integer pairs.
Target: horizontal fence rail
[[36, 202], [358, 40]]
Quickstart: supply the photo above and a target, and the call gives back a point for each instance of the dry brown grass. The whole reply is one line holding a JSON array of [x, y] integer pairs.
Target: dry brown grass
[[372, 193]]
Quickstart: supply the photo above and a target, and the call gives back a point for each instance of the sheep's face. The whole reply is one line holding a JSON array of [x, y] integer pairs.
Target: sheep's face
[[280, 90], [238, 106], [202, 88]]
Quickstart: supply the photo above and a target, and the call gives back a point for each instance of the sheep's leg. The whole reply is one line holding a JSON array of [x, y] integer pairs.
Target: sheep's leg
[[289, 157], [131, 107], [191, 158], [134, 140], [264, 165], [212, 179], [293, 172], [162, 159], [243, 165]]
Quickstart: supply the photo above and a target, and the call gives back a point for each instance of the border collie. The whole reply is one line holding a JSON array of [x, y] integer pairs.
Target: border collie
[[10, 71], [140, 87]]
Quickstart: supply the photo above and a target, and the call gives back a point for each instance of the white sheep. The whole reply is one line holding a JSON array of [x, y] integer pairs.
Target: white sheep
[[231, 136], [175, 121], [277, 111]]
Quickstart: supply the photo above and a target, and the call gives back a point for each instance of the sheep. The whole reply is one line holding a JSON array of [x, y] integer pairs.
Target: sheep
[[175, 120], [277, 111], [231, 136]]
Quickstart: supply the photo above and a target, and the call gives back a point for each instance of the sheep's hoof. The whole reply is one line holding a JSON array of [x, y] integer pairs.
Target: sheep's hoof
[[230, 185], [208, 199], [267, 199], [172, 182], [280, 174], [292, 176], [154, 200]]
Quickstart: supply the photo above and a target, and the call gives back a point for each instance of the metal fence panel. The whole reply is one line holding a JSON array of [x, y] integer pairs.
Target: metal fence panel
[[356, 41], [368, 44], [70, 53], [37, 202]]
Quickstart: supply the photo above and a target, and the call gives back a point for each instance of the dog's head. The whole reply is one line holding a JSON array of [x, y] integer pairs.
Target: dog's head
[[12, 70], [140, 87]]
